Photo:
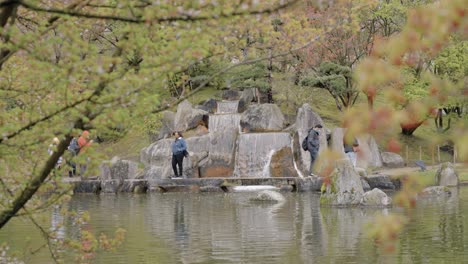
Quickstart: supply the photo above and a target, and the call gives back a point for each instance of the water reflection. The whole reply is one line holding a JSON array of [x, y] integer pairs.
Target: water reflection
[[228, 228]]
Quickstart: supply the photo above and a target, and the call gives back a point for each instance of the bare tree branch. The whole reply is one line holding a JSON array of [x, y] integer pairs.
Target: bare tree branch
[[136, 20]]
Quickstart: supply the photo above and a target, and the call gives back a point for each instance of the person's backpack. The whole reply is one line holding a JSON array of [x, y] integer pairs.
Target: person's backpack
[[74, 147], [304, 143]]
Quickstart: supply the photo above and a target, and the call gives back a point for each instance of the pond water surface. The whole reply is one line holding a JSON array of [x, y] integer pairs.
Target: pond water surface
[[227, 228]]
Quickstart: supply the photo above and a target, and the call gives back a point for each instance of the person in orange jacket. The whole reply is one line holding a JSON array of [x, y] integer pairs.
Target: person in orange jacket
[[84, 142]]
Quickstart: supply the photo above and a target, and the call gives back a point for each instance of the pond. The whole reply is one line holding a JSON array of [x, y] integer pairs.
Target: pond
[[227, 228]]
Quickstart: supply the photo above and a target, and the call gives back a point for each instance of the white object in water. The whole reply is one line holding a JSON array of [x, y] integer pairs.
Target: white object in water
[[253, 188]]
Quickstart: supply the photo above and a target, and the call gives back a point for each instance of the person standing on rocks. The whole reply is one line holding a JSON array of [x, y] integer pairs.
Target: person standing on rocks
[[350, 149], [179, 151], [312, 144]]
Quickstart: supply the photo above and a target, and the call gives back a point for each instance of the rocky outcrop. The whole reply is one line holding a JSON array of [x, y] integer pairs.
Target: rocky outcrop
[[392, 160], [209, 106], [376, 198], [268, 196], [446, 175], [188, 117], [262, 118], [345, 188]]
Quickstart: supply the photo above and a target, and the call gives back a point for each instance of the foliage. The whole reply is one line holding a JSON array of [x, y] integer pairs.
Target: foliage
[[337, 80]]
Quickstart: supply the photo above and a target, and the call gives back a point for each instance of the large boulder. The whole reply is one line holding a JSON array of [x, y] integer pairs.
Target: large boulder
[[446, 175], [157, 157], [282, 164], [336, 144], [247, 96], [345, 188], [307, 118], [268, 196], [188, 117], [209, 105], [309, 184], [376, 198], [167, 125], [392, 160], [230, 95], [262, 117], [368, 155]]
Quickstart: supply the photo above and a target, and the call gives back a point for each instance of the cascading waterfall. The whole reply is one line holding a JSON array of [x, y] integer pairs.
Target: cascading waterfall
[[254, 153], [227, 107]]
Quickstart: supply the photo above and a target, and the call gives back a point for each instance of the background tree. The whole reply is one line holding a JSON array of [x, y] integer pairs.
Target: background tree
[[337, 80]]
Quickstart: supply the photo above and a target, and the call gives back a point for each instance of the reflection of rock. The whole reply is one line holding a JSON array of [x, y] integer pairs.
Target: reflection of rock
[[376, 198], [446, 175], [392, 160], [345, 188], [262, 117], [268, 196]]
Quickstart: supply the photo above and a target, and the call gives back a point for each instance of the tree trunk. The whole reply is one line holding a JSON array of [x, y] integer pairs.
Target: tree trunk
[[409, 128]]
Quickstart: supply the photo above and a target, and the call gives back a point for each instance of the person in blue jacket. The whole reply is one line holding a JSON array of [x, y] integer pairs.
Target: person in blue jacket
[[179, 151]]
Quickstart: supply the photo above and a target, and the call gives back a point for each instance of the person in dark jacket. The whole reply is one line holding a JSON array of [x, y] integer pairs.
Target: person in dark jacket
[[313, 145], [179, 150]]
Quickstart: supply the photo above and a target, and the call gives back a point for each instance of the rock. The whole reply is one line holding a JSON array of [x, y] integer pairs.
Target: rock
[[380, 181], [286, 188], [368, 154], [134, 186], [268, 196], [362, 172], [446, 175], [247, 96], [377, 198], [188, 117], [262, 117], [110, 186], [307, 118], [211, 189], [345, 188], [210, 106], [230, 95], [337, 140], [392, 160], [87, 186], [365, 185], [281, 164], [167, 125], [435, 191], [309, 184]]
